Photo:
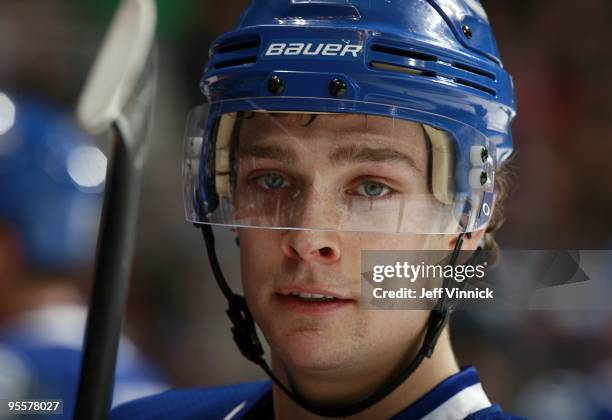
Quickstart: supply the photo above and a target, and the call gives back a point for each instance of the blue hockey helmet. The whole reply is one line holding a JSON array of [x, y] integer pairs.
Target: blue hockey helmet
[[434, 63], [51, 182]]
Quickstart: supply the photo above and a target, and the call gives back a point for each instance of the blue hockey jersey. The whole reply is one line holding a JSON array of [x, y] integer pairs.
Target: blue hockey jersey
[[458, 397], [40, 357]]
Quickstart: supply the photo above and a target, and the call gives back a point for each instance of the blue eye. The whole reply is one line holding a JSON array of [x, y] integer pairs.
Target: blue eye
[[372, 189], [271, 181]]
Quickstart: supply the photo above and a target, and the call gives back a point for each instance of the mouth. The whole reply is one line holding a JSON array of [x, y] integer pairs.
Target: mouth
[[313, 297], [308, 301]]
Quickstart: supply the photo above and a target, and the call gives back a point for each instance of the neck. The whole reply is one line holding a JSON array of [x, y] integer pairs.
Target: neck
[[349, 388]]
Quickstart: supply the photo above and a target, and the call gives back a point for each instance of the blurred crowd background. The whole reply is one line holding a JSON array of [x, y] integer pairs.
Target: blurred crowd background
[[541, 364]]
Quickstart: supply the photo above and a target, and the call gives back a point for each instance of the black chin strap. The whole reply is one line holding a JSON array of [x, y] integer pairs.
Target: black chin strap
[[246, 338]]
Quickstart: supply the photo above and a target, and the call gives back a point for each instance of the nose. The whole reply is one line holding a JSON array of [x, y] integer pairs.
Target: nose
[[311, 246], [318, 210]]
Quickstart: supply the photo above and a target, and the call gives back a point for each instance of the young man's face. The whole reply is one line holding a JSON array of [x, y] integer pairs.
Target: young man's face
[[332, 171]]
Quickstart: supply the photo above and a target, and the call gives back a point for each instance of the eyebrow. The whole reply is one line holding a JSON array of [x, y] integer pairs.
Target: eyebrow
[[353, 153], [275, 152], [343, 154]]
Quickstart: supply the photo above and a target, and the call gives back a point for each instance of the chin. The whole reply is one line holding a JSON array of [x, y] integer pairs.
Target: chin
[[313, 351]]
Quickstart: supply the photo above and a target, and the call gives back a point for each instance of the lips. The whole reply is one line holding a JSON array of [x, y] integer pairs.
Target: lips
[[309, 300], [310, 292]]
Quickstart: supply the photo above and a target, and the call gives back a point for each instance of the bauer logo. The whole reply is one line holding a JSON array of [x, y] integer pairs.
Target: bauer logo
[[316, 49]]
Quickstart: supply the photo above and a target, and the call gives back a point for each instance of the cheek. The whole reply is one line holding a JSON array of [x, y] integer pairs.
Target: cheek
[[401, 242], [390, 332], [260, 256], [393, 325]]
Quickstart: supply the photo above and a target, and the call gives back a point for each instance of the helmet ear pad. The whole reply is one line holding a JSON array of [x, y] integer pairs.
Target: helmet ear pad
[[442, 164], [223, 144]]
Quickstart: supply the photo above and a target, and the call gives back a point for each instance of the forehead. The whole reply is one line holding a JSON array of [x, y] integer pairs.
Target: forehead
[[268, 127]]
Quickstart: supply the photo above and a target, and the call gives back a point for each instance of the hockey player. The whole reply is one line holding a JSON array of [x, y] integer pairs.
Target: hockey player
[[51, 181], [331, 128]]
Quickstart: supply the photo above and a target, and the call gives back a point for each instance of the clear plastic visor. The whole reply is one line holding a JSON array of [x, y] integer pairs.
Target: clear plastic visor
[[331, 171]]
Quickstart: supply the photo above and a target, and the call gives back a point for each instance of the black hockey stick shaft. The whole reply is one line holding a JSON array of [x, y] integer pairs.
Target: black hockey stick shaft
[[111, 283]]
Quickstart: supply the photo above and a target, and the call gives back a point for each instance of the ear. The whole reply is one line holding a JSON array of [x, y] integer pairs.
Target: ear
[[472, 240]]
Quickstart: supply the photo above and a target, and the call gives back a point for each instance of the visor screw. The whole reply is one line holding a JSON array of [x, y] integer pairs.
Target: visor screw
[[276, 85], [484, 155], [483, 178], [467, 31], [337, 88]]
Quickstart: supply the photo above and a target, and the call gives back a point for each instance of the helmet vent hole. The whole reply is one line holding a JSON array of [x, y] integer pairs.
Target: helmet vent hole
[[475, 70], [240, 44], [476, 86], [234, 63], [380, 65], [417, 55], [236, 51]]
